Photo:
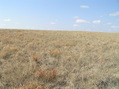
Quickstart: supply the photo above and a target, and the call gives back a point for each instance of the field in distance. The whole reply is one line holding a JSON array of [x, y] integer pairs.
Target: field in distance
[[31, 59]]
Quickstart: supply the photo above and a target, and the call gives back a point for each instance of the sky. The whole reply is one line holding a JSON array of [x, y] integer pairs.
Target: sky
[[69, 15]]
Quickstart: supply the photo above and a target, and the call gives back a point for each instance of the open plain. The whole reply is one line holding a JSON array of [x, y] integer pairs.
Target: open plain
[[32, 59]]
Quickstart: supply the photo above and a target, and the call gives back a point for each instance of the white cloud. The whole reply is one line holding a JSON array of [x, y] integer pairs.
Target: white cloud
[[109, 23], [7, 20], [81, 21], [101, 16], [96, 21], [52, 23], [84, 6], [75, 25], [115, 27], [114, 14], [75, 17], [2, 24]]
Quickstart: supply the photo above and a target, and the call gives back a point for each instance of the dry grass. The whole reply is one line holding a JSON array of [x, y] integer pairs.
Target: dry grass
[[31, 85], [55, 53], [35, 58], [58, 60], [46, 75]]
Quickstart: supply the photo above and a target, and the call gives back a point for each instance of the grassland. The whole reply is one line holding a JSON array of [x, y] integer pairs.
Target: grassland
[[58, 60]]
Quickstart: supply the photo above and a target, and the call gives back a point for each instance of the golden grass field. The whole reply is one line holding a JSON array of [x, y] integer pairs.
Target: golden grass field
[[31, 59]]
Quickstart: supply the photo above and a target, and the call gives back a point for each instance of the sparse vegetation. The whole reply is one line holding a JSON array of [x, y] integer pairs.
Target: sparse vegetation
[[58, 60]]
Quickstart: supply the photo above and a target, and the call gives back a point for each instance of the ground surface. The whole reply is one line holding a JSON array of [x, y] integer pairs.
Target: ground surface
[[58, 60]]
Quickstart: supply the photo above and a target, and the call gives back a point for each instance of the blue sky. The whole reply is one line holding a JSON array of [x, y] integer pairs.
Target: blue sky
[[81, 15]]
